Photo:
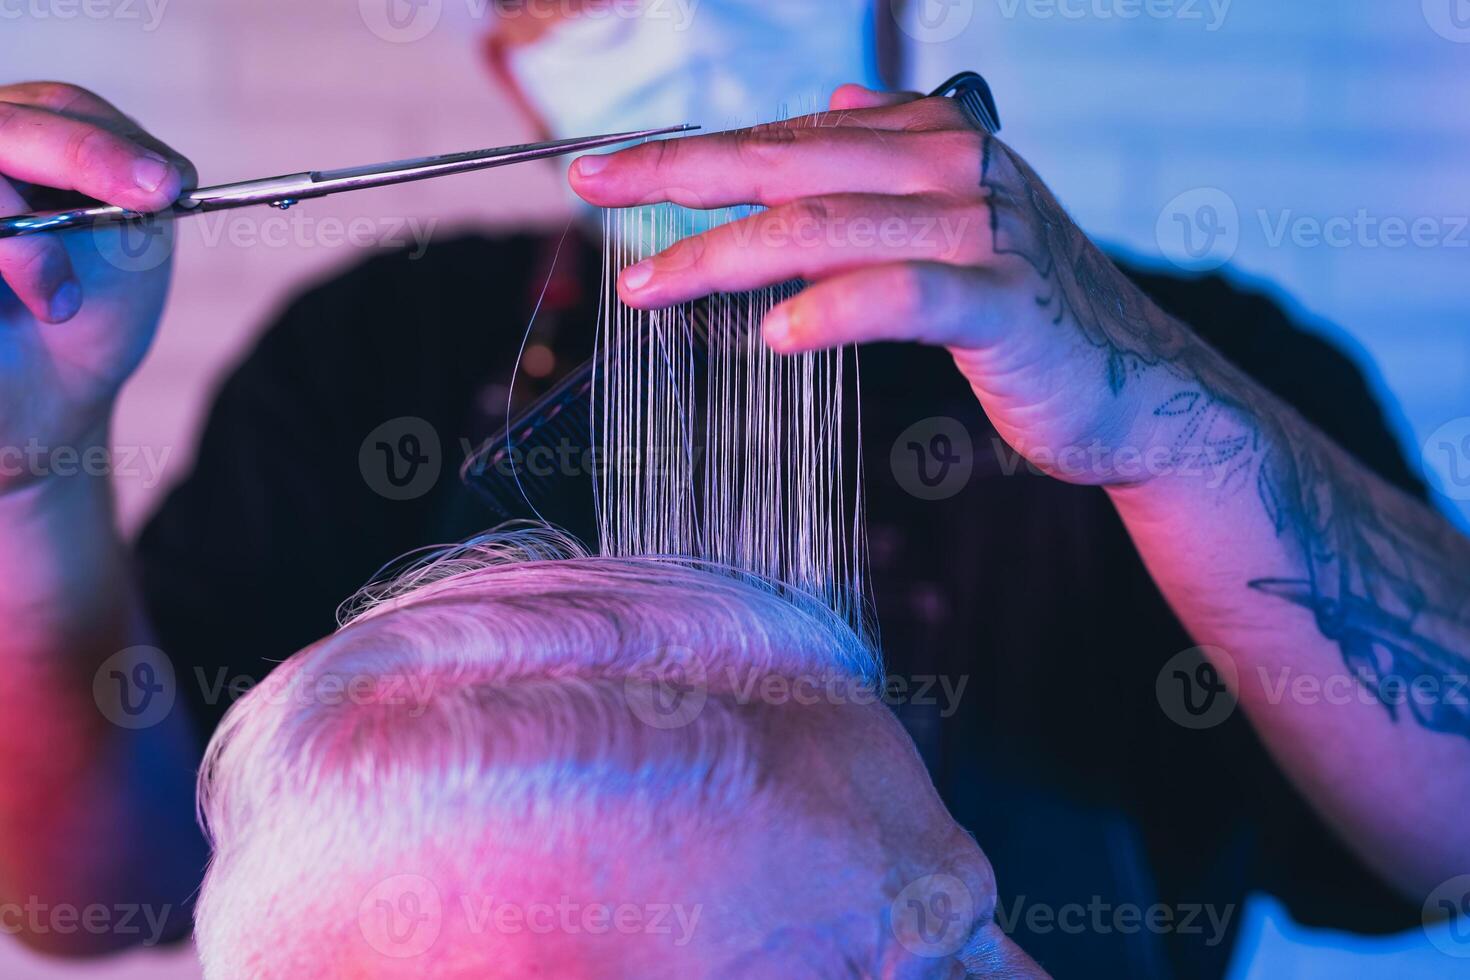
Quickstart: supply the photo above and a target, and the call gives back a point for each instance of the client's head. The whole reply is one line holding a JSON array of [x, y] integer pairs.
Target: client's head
[[517, 763]]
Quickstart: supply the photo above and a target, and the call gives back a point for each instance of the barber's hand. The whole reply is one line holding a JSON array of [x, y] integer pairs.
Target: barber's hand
[[910, 224], [76, 314]]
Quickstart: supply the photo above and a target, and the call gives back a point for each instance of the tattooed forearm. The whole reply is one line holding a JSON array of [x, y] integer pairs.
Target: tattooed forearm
[[1386, 581]]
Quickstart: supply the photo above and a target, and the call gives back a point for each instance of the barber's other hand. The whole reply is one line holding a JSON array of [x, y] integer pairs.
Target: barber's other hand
[[77, 310], [911, 224]]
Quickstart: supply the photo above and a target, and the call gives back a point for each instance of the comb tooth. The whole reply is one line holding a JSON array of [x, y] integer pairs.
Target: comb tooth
[[486, 491]]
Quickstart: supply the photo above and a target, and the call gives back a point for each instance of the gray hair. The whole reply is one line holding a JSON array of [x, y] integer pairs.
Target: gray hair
[[498, 683]]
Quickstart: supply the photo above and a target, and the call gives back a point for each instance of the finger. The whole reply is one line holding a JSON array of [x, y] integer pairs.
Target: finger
[[810, 239], [926, 302], [854, 96], [42, 147], [776, 165], [67, 100], [913, 114], [855, 106], [37, 268], [82, 105]]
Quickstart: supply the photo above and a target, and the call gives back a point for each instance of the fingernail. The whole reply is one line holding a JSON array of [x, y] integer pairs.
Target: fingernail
[[65, 301], [150, 171], [636, 277], [592, 166]]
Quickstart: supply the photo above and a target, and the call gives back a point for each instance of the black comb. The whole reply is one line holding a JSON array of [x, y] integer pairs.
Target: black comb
[[973, 94], [503, 471]]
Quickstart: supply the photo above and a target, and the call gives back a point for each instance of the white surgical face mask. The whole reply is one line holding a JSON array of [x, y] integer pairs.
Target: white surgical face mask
[[717, 63]]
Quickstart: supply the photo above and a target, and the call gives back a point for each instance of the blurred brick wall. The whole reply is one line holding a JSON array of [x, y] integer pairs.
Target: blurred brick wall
[[1316, 123], [260, 88]]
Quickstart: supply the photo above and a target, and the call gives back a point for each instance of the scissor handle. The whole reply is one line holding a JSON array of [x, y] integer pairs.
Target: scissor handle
[[972, 92], [279, 191]]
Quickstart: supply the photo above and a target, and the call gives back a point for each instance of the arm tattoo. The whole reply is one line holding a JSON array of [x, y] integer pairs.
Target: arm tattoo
[[1375, 568]]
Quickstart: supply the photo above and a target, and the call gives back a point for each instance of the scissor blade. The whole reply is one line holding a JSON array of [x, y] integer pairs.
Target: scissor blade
[[290, 188], [402, 171]]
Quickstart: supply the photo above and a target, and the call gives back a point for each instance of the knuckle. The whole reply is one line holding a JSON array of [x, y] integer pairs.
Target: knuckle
[[841, 305], [31, 264], [89, 150], [666, 153], [811, 313], [808, 211], [799, 223], [951, 144], [937, 112], [55, 96], [910, 288], [689, 255], [758, 146], [962, 235]]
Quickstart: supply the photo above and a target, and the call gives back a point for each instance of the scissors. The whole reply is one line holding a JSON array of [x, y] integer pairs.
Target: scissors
[[282, 192]]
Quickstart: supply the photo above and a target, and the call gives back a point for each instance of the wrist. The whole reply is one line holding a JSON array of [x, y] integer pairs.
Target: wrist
[[1118, 441], [61, 560], [37, 474]]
